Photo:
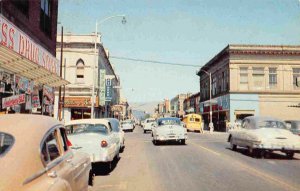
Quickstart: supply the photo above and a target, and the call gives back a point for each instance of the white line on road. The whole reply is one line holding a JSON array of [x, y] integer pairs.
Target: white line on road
[[207, 149]]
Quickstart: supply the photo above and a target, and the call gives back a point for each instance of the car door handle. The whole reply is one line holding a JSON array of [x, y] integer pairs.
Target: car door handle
[[52, 174]]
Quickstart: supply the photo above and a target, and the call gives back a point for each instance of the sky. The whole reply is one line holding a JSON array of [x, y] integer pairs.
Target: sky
[[187, 32]]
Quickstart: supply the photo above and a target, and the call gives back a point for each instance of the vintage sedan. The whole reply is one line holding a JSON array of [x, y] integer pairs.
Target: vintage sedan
[[261, 134], [95, 137], [127, 125], [148, 124], [35, 155], [169, 129], [115, 124]]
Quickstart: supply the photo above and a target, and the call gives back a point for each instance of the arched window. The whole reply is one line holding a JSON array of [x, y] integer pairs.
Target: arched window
[[80, 70]]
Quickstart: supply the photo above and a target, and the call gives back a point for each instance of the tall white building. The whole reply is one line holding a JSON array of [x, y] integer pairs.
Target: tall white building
[[83, 70]]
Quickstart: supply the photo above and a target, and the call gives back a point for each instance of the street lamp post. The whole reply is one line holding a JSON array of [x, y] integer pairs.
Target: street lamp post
[[211, 125], [96, 60]]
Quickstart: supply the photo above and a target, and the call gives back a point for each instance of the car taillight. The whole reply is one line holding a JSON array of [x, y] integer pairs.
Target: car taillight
[[103, 144], [69, 143]]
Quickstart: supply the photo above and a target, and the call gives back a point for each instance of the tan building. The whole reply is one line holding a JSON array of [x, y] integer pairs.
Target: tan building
[[251, 80]]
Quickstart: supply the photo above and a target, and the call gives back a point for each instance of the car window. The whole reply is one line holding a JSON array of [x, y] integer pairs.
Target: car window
[[6, 142], [270, 124], [115, 127], [244, 123], [87, 128], [169, 122], [50, 148], [63, 138]]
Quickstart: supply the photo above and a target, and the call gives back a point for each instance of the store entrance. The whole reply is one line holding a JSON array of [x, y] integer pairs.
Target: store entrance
[[84, 113]]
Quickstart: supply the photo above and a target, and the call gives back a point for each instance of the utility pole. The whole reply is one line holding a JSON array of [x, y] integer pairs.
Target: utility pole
[[60, 74]]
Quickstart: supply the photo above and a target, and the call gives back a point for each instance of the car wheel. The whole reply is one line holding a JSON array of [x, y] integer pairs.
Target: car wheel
[[145, 131], [232, 146], [290, 155], [91, 178], [182, 141]]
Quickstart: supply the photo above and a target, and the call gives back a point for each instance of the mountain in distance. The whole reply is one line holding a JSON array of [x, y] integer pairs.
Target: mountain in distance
[[138, 109]]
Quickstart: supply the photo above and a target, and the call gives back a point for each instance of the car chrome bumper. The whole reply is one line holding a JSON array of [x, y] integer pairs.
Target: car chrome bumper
[[170, 138], [275, 147], [102, 157]]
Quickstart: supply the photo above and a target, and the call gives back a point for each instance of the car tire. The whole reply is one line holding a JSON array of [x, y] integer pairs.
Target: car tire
[[145, 131], [91, 177], [232, 146], [290, 155], [155, 142], [182, 141]]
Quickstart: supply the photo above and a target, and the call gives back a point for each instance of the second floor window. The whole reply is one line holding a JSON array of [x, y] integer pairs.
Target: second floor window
[[272, 78], [244, 78], [296, 73], [80, 71], [258, 77], [22, 5]]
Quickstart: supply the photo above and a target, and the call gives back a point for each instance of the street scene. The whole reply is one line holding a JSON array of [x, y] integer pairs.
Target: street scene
[[161, 95]]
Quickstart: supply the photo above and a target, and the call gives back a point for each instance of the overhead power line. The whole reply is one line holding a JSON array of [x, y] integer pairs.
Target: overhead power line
[[154, 61]]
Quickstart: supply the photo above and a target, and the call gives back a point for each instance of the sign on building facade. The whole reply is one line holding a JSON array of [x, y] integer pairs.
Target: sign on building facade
[[108, 89], [102, 88]]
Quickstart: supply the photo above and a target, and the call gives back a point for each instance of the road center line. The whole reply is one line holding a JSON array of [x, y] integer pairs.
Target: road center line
[[207, 149]]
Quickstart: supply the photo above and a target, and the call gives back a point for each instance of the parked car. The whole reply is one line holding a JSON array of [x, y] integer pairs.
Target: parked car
[[35, 155], [148, 124], [115, 124], [127, 125], [95, 137], [293, 126], [261, 134], [169, 129]]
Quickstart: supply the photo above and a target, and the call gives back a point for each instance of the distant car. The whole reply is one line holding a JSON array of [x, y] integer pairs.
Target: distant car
[[169, 129], [35, 155], [148, 124], [261, 134], [127, 125], [116, 128], [293, 126], [95, 137]]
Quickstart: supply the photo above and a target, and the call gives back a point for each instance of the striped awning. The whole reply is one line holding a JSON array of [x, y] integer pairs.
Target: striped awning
[[19, 65]]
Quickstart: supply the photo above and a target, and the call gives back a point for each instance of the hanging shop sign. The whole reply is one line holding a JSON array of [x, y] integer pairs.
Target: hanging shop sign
[[102, 88], [79, 102], [117, 108], [13, 100], [28, 105], [16, 40], [108, 89], [24, 85]]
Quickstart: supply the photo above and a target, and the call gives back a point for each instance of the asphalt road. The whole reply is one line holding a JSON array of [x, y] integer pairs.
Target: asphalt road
[[205, 163]]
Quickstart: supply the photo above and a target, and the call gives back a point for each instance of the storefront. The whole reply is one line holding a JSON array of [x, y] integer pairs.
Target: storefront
[[79, 107], [28, 73]]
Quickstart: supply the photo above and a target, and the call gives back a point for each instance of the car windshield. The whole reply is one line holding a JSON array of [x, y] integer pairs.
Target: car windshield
[[169, 121], [270, 124], [87, 128], [126, 122], [6, 142]]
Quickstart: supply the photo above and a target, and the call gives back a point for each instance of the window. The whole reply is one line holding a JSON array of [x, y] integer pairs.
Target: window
[[80, 71], [258, 77], [296, 73], [64, 139], [214, 86], [272, 78], [244, 78], [22, 5], [50, 148], [45, 17], [6, 142]]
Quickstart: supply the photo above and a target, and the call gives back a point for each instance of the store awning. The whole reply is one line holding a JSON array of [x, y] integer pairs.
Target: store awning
[[19, 65]]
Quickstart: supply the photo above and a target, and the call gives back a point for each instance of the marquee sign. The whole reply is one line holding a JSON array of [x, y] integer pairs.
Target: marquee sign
[[16, 40], [79, 102]]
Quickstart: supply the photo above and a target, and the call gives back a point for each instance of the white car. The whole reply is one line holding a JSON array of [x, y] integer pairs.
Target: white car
[[95, 137], [117, 129], [261, 134], [169, 129], [148, 124], [127, 125]]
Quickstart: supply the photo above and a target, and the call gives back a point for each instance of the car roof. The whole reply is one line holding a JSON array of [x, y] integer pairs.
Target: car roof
[[103, 121]]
